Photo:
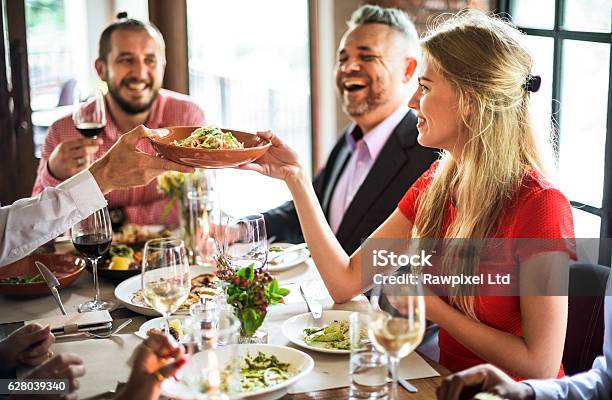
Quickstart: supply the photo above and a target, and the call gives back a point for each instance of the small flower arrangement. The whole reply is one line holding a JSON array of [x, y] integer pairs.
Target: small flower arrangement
[[250, 291], [171, 184]]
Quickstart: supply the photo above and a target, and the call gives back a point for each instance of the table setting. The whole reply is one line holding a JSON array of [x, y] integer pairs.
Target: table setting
[[254, 316]]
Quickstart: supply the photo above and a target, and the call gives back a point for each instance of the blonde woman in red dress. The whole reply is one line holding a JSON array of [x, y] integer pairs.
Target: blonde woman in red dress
[[473, 102]]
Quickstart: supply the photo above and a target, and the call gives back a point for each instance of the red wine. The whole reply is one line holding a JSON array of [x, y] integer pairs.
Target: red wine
[[90, 129], [92, 246]]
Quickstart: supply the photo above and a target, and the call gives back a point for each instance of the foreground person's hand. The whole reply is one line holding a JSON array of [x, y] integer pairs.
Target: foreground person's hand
[[280, 161], [62, 366], [156, 359], [28, 345], [483, 378], [125, 166]]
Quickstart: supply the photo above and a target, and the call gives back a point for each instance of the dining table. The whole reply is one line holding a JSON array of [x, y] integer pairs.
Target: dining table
[[107, 360]]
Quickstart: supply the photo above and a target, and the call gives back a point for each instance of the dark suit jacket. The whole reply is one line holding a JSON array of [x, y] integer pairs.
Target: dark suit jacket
[[401, 161]]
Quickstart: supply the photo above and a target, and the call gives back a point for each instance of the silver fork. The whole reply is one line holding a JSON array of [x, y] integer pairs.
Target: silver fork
[[109, 334]]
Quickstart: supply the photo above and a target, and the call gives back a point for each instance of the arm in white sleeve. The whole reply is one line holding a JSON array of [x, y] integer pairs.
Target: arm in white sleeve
[[29, 223], [593, 384]]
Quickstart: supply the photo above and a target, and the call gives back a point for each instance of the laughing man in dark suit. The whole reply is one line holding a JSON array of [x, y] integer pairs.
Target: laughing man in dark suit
[[377, 158]]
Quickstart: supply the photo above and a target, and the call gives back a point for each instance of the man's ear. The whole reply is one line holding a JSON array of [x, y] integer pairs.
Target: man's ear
[[410, 65], [100, 69]]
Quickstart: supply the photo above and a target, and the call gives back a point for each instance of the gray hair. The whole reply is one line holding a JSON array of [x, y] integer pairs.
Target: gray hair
[[394, 18]]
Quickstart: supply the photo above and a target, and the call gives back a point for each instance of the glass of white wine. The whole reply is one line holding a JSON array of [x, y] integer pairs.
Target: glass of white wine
[[397, 321], [166, 280]]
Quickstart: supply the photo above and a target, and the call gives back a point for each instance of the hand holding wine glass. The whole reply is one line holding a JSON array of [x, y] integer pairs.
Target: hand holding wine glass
[[246, 242], [92, 238], [166, 280], [397, 321]]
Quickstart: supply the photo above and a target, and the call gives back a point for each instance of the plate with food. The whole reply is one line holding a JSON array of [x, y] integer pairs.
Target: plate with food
[[203, 283], [209, 146], [22, 278], [265, 372], [156, 325], [328, 334], [281, 256]]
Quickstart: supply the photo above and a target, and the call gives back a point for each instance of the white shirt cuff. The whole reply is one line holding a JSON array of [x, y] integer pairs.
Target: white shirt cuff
[[85, 193]]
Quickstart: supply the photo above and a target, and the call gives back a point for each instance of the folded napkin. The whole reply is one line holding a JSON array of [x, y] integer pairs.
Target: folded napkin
[[75, 323]]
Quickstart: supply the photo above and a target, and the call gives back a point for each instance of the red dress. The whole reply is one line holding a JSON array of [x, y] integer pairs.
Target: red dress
[[537, 211]]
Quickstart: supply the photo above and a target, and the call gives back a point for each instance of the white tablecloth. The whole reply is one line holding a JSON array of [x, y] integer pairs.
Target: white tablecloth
[[106, 359]]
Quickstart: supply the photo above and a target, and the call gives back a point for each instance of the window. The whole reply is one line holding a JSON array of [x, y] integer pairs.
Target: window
[[62, 40], [572, 43], [249, 71]]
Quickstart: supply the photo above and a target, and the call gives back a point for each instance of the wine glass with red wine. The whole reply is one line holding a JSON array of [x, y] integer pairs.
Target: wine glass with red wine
[[92, 238], [89, 114]]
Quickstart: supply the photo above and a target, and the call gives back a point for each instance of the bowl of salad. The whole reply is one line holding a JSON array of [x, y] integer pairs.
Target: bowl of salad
[[23, 279], [208, 146], [253, 371]]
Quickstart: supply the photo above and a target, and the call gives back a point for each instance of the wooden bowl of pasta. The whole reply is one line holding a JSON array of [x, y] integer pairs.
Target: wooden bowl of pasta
[[165, 143]]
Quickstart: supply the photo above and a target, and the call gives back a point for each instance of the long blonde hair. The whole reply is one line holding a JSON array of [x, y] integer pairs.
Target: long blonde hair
[[481, 57]]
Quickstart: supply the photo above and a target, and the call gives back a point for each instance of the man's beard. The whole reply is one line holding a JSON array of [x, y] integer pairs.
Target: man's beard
[[373, 100], [128, 107]]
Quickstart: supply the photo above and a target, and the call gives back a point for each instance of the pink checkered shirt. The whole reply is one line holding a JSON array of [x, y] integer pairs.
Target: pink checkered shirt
[[142, 205]]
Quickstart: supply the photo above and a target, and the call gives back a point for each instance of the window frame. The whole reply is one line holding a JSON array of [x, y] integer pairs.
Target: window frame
[[559, 34]]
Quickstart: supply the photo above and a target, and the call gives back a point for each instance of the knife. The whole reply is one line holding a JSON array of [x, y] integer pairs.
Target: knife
[[314, 306], [288, 250], [52, 282], [407, 385]]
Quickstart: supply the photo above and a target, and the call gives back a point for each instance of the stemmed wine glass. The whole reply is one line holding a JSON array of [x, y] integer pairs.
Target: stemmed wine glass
[[89, 113], [92, 238], [165, 277], [246, 242], [397, 320]]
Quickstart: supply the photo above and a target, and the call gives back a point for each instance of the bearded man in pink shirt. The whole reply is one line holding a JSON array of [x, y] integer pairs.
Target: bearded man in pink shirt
[[131, 61]]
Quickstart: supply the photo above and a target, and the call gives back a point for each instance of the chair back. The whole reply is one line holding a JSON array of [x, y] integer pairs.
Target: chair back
[[585, 323], [66, 96]]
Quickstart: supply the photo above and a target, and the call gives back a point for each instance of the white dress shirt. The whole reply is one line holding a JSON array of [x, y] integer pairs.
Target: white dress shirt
[[29, 223], [593, 384]]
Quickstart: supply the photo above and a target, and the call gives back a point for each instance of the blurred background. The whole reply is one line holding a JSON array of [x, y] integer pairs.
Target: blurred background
[[269, 64]]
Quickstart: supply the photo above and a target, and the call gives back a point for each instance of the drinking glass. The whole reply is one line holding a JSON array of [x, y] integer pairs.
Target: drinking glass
[[246, 242], [368, 369], [92, 238], [165, 277], [397, 320], [204, 218], [214, 371], [89, 113]]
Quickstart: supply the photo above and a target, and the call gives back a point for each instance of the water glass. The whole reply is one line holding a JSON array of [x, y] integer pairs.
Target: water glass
[[204, 219], [246, 242], [368, 368], [214, 370]]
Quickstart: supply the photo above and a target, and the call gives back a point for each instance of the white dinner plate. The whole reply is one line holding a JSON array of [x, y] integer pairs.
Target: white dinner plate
[[287, 261], [301, 364], [293, 328], [124, 292], [158, 324]]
